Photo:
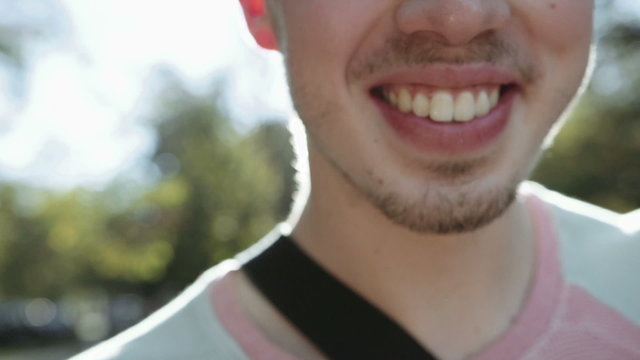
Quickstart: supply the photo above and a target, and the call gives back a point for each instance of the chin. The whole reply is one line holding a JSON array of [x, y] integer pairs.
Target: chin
[[444, 209]]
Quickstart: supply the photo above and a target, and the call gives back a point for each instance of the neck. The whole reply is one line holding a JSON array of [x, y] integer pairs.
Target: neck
[[433, 285]]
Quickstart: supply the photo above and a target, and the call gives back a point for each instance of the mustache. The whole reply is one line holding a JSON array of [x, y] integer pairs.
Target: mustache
[[402, 51]]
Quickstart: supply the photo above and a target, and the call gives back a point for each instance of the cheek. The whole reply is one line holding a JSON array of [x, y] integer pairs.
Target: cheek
[[314, 31], [560, 34], [322, 35], [559, 25]]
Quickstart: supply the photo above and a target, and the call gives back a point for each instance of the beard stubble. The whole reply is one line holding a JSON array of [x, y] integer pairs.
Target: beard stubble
[[450, 200]]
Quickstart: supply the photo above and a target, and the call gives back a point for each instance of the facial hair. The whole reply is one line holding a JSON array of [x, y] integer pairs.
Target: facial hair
[[452, 198]]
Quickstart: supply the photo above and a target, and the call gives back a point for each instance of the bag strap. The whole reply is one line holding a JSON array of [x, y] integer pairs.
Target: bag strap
[[342, 324]]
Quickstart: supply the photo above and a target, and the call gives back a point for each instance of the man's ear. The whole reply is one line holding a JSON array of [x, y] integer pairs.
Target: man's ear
[[259, 23]]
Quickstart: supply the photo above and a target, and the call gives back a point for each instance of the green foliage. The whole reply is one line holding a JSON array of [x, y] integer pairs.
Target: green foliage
[[596, 155], [12, 41], [228, 189], [218, 192]]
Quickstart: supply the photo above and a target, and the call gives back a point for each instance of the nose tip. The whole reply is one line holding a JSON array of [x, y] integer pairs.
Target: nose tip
[[453, 22]]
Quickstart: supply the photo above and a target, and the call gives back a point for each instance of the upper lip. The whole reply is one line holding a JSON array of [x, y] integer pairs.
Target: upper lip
[[448, 76]]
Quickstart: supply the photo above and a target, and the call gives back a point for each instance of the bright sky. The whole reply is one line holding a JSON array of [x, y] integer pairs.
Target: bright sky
[[79, 125]]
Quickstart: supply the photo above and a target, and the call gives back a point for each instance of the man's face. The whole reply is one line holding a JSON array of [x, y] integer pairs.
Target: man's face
[[434, 110]]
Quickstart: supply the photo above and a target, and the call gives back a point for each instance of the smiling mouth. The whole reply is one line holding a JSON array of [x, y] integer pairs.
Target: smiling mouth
[[443, 105]]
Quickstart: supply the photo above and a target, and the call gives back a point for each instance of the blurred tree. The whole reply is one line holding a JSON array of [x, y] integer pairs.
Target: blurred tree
[[25, 26], [45, 239], [275, 140], [596, 155], [217, 192], [10, 49]]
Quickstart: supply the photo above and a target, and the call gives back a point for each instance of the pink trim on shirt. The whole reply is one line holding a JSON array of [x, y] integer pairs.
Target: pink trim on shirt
[[558, 321], [235, 320], [545, 291], [561, 321], [587, 329]]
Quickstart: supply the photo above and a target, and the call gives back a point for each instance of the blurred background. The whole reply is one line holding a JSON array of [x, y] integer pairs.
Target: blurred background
[[141, 142]]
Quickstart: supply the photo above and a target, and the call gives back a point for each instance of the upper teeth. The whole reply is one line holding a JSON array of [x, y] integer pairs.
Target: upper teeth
[[443, 105]]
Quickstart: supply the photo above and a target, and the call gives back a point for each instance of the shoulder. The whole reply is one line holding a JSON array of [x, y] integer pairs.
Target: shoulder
[[599, 249], [186, 328]]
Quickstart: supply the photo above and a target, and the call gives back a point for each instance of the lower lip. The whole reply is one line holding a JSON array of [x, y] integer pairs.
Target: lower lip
[[452, 137]]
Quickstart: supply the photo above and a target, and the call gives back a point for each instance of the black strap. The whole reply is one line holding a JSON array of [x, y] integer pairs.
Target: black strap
[[342, 324]]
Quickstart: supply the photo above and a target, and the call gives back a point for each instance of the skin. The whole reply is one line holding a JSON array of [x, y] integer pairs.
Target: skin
[[394, 221]]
